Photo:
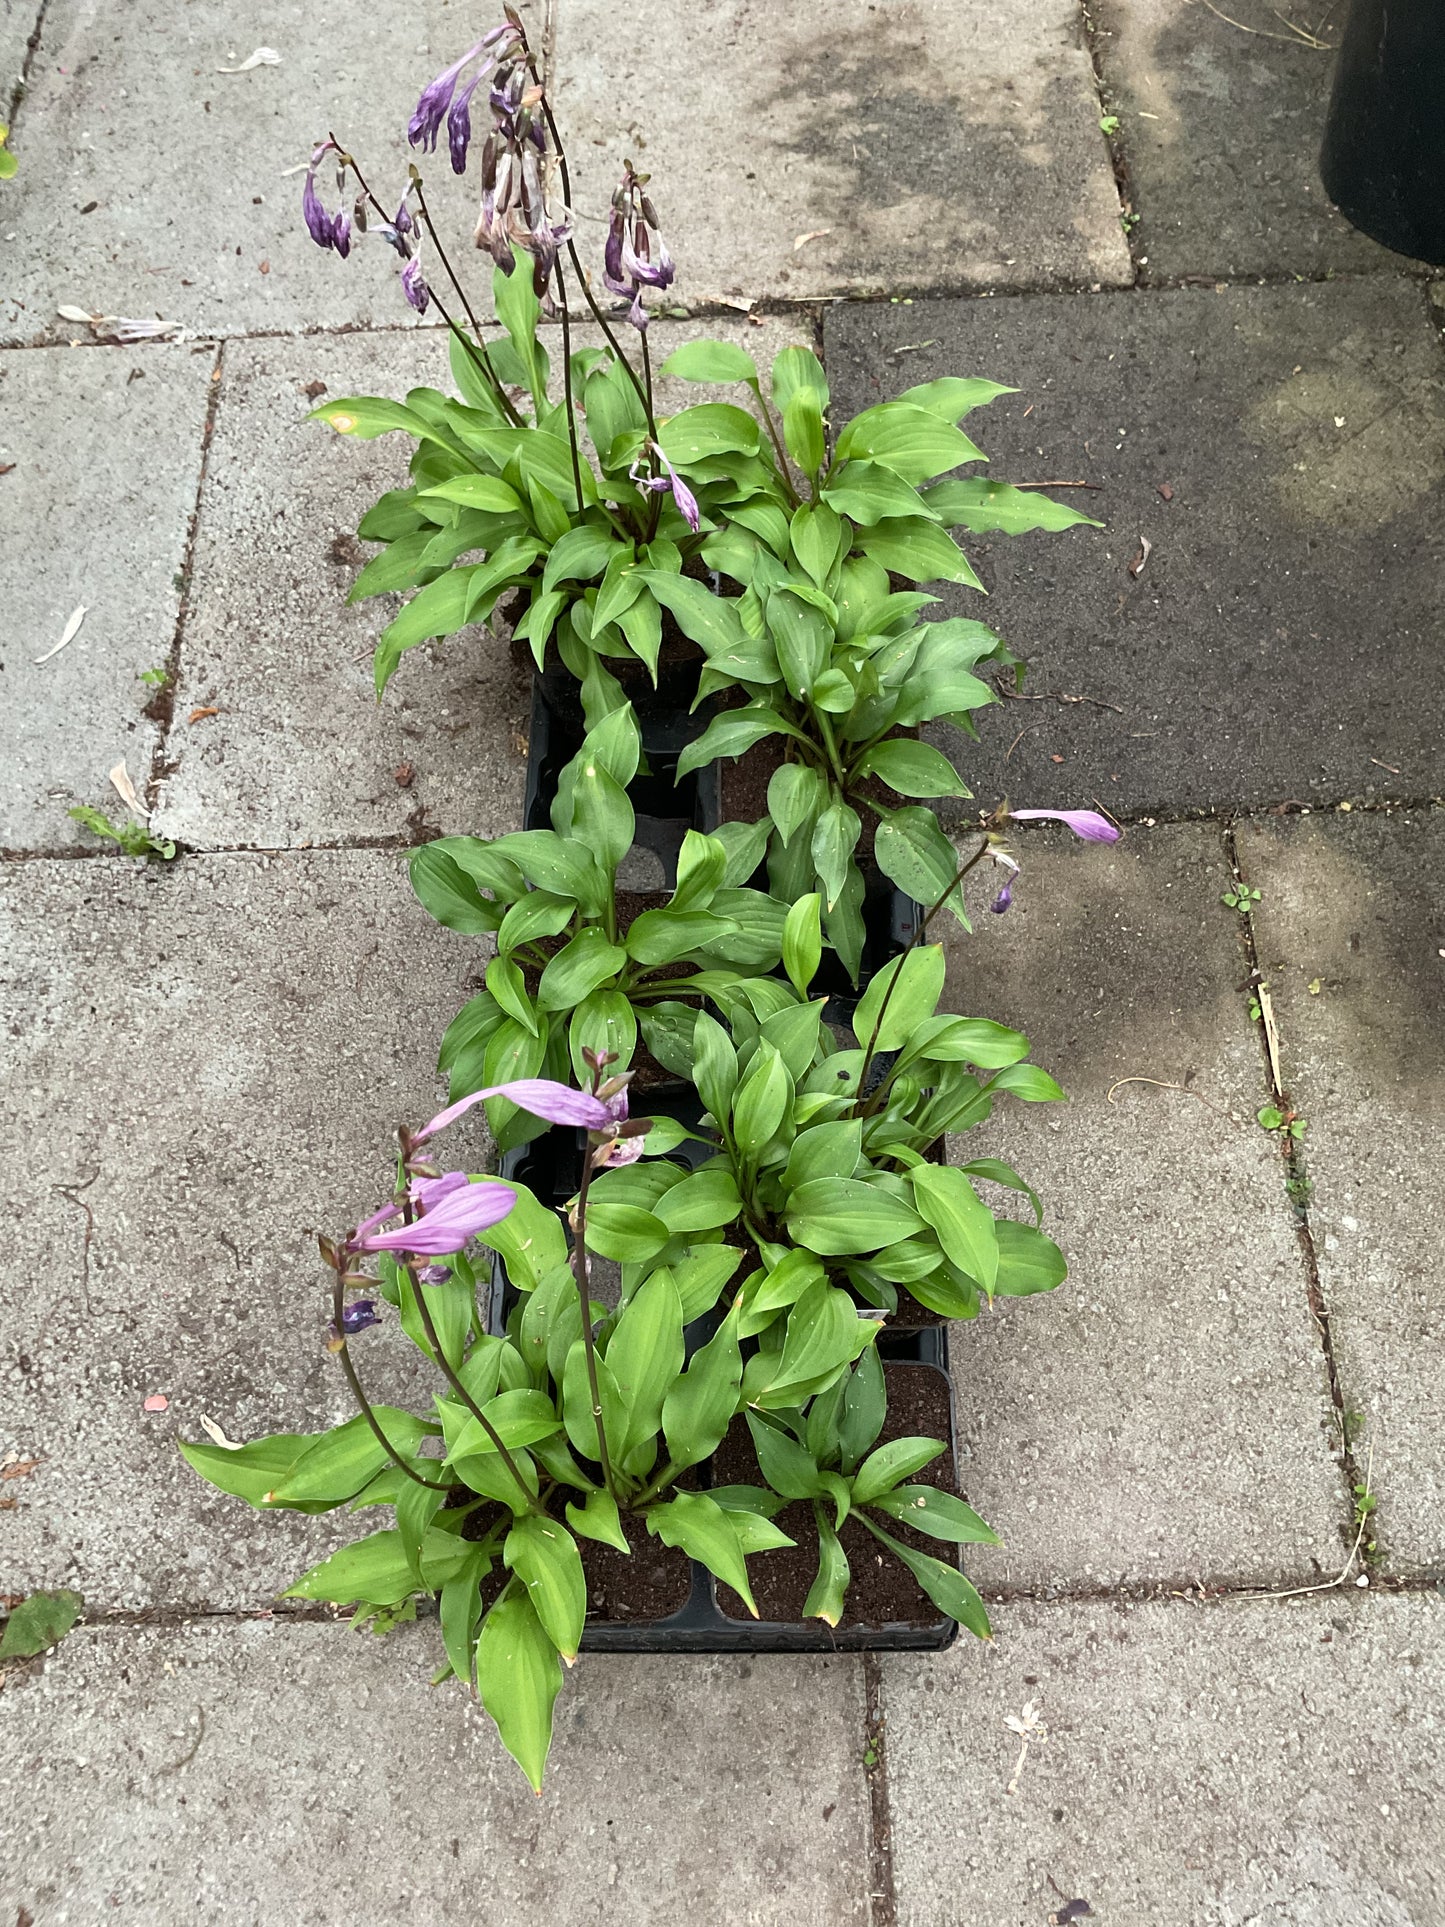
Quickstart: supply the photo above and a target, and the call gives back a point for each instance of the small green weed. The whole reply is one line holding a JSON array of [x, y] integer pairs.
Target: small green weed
[[1109, 124], [134, 838], [1240, 897], [1271, 1118]]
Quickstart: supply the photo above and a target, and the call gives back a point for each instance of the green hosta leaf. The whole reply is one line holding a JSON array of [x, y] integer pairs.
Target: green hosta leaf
[[701, 1529], [817, 538], [337, 1464], [764, 1098], [701, 868], [835, 838], [254, 1470], [39, 1622], [645, 1355], [397, 567], [797, 793], [710, 361], [940, 1514], [945, 1585], [838, 1216], [865, 1406], [449, 894], [519, 1676], [868, 493], [913, 769], [910, 987], [1028, 1262], [963, 1222], [918, 549], [367, 416], [711, 428], [803, 430], [764, 1296], [538, 914], [1005, 1174], [705, 1201], [914, 442], [802, 939], [544, 1557], [704, 618], [829, 1150], [788, 1468], [581, 555], [375, 1569], [506, 984], [577, 1404], [603, 1022], [729, 734], [913, 852], [802, 638], [461, 1608], [701, 1273], [701, 1404], [666, 936], [965, 1040], [828, 1591], [530, 1240], [1028, 1082], [578, 968], [392, 516], [890, 1465], [624, 1232], [478, 492], [597, 1518], [824, 1335], [715, 1066], [795, 369], [998, 507], [440, 609], [952, 397]]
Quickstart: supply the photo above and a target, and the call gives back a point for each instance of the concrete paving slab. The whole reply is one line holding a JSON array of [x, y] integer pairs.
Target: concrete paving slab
[[310, 1774], [17, 22], [204, 1066], [1271, 1764], [106, 453], [1220, 125], [300, 751], [210, 236], [847, 148], [1300, 433], [1351, 940], [1163, 1417]]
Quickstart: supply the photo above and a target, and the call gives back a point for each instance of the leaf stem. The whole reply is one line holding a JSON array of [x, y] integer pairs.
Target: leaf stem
[[584, 1293], [338, 1297]]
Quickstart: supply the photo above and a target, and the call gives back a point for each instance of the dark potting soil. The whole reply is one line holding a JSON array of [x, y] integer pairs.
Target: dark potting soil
[[882, 1590], [745, 793], [651, 1582]]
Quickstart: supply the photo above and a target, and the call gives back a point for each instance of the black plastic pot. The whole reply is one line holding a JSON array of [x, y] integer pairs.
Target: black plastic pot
[[1383, 159]]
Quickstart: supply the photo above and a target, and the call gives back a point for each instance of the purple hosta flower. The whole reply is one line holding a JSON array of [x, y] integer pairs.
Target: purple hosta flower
[[1006, 895], [415, 289], [655, 484], [635, 256], [453, 1209], [604, 1117], [1085, 823], [431, 108], [360, 1313], [434, 1274], [326, 230], [514, 211]]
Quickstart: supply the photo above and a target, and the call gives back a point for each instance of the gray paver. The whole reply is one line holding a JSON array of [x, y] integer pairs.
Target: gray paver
[[301, 751], [97, 508], [204, 1066], [1221, 126], [1301, 431], [1163, 1416], [1270, 1764], [821, 149], [329, 1784], [212, 238], [17, 21], [1352, 905]]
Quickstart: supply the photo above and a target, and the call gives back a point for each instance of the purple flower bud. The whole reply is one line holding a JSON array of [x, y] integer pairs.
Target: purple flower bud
[[459, 123], [326, 230], [341, 235], [1087, 824], [1004, 898], [434, 1274], [415, 289], [403, 222], [360, 1313], [685, 499]]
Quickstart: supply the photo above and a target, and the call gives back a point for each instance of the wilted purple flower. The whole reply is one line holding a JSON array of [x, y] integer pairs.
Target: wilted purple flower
[[1085, 823], [360, 1313], [635, 255], [1006, 895], [425, 123], [656, 484], [445, 1226], [434, 1274], [415, 289], [326, 230], [514, 211]]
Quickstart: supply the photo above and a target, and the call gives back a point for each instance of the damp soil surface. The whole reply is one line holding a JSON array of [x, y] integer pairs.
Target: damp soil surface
[[882, 1591], [651, 1582]]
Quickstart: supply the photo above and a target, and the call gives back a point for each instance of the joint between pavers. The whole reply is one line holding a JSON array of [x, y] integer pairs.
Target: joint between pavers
[[1297, 1184], [164, 709], [882, 1893], [1118, 157], [22, 80]]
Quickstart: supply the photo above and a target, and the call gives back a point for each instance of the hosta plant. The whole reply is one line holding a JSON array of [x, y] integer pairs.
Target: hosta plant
[[567, 978], [571, 495]]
